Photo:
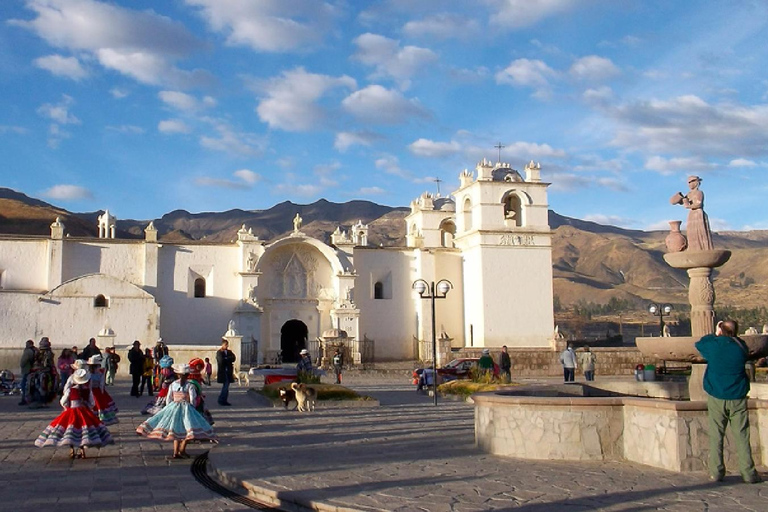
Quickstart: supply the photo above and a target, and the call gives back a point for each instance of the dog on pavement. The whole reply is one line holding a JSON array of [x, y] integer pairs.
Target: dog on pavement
[[305, 397], [287, 395], [242, 377]]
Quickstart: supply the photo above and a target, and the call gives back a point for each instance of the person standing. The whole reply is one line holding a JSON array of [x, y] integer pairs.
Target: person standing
[[485, 363], [113, 362], [338, 364], [27, 358], [136, 369], [208, 371], [225, 365], [305, 362], [505, 363], [727, 385], [146, 376], [90, 350], [568, 360], [64, 365], [43, 381], [104, 406], [588, 360]]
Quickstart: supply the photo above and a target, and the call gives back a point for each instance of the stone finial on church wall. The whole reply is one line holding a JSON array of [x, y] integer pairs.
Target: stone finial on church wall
[[57, 229], [484, 170], [150, 232], [245, 234], [533, 172], [466, 177]]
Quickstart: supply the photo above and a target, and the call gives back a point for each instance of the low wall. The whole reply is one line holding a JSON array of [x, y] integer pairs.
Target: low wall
[[546, 362], [665, 434]]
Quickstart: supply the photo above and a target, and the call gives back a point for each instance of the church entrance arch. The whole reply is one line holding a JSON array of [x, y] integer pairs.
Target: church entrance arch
[[293, 338]]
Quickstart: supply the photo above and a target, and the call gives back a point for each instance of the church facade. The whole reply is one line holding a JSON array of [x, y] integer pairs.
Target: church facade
[[490, 239]]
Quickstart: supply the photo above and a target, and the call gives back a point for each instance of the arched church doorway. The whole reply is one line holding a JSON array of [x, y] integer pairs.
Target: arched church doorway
[[293, 338]]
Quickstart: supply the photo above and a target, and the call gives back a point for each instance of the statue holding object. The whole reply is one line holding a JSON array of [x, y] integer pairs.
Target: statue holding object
[[697, 225]]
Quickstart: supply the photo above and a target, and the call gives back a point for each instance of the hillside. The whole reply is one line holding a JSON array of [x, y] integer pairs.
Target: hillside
[[591, 262]]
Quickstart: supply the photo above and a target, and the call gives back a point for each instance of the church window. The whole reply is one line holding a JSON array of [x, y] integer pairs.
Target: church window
[[467, 214], [100, 301], [199, 287], [447, 232], [378, 290]]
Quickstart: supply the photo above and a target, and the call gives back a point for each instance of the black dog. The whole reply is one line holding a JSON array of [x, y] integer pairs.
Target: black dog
[[287, 395]]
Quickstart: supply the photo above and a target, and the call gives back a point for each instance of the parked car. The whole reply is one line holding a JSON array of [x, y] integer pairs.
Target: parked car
[[456, 369]]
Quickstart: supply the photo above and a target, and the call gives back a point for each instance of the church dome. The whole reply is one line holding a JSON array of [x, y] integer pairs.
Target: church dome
[[506, 174], [445, 204]]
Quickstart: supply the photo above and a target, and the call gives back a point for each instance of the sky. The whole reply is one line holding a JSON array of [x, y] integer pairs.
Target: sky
[[143, 107]]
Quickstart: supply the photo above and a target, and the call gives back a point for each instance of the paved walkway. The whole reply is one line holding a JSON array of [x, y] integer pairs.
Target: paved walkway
[[406, 455], [131, 475]]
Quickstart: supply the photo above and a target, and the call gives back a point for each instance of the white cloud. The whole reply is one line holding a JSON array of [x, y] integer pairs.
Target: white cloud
[[690, 125], [568, 182], [173, 126], [593, 68], [231, 141], [67, 193], [390, 60], [376, 104], [611, 220], [269, 26], [245, 179], [432, 149], [345, 140], [516, 14], [391, 165], [673, 165], [18, 130], [528, 73], [127, 128], [139, 44], [290, 101], [443, 26], [742, 162], [296, 189], [59, 112], [600, 96], [68, 67], [178, 100], [247, 176], [371, 191], [118, 93]]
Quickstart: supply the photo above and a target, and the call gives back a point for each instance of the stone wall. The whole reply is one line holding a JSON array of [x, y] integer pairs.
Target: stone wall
[[666, 434], [546, 362]]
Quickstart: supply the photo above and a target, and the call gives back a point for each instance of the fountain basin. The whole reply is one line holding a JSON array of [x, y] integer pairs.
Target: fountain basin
[[682, 348], [696, 259], [549, 424]]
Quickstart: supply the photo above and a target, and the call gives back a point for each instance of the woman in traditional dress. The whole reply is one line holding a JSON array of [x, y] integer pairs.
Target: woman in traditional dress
[[178, 421], [77, 426], [43, 382], [167, 376], [196, 367], [697, 226], [64, 365], [104, 406]]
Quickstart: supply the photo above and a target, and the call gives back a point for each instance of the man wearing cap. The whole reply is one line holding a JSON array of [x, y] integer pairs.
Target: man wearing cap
[[305, 362], [136, 360], [225, 361], [727, 385]]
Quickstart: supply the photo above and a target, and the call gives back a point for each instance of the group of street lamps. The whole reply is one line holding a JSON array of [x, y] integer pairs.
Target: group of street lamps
[[660, 310], [433, 291]]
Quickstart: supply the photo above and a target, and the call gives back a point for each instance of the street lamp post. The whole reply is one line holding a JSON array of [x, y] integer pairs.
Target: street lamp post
[[437, 290], [660, 310]]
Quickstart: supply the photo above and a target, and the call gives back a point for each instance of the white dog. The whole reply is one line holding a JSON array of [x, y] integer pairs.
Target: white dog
[[305, 397], [242, 377]]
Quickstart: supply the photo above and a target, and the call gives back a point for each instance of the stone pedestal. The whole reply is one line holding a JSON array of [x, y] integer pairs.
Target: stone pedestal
[[701, 295]]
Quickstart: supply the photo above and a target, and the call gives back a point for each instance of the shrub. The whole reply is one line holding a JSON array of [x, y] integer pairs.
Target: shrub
[[307, 378]]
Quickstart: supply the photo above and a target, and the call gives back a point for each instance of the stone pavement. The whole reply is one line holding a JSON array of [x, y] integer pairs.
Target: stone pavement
[[408, 455], [131, 475]]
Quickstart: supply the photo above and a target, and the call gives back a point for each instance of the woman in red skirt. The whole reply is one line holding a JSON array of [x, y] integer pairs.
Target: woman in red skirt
[[77, 426], [105, 407]]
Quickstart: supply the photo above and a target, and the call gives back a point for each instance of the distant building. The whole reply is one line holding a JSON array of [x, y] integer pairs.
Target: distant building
[[491, 239]]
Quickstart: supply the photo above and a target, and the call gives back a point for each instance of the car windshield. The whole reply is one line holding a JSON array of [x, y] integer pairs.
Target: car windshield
[[453, 364]]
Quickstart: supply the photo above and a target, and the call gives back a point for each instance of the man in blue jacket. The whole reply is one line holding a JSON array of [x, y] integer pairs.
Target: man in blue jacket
[[727, 384]]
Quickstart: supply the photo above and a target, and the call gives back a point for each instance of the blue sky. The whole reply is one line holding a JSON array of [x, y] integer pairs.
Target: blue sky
[[144, 107]]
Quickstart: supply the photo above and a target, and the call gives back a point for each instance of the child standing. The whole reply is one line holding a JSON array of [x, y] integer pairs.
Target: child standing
[[77, 426], [146, 377], [208, 371], [178, 421]]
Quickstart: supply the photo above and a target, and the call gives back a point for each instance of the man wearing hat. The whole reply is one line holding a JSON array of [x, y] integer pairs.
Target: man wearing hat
[[136, 360], [225, 361], [305, 362], [485, 363]]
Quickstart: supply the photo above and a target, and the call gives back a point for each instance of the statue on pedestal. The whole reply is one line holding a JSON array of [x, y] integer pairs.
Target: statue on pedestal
[[697, 225]]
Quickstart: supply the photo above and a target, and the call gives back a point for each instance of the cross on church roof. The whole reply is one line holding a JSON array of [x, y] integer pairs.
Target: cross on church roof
[[499, 146], [438, 181]]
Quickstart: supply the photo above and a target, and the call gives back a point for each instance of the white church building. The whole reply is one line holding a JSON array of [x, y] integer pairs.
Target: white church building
[[491, 239]]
